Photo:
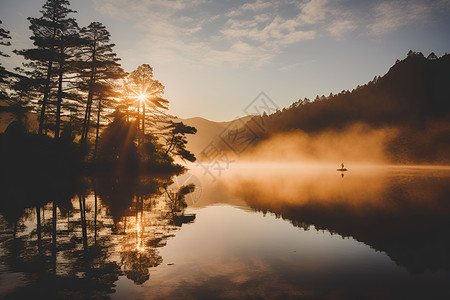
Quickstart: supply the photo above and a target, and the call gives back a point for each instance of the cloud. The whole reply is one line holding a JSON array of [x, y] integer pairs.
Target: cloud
[[257, 5], [269, 33], [391, 15], [253, 33], [339, 28], [313, 11], [295, 65]]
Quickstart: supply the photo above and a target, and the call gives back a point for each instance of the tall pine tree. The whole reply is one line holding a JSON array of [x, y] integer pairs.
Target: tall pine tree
[[147, 91], [99, 66], [69, 44], [48, 30]]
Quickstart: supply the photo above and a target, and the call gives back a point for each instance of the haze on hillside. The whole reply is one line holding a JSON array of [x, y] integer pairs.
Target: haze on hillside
[[401, 117]]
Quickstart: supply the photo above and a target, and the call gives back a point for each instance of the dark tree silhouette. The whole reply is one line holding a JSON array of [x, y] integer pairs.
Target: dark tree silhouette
[[68, 44], [117, 147], [106, 101], [4, 75], [176, 140], [145, 90], [98, 65], [47, 32]]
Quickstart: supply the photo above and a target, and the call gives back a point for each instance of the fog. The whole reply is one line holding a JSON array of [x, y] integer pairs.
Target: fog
[[360, 189], [356, 144]]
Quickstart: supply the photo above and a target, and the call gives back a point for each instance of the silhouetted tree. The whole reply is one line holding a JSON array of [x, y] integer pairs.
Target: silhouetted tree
[[432, 56], [47, 32], [68, 44], [117, 144], [414, 53], [176, 140], [4, 37], [106, 100], [147, 91], [98, 64], [4, 75]]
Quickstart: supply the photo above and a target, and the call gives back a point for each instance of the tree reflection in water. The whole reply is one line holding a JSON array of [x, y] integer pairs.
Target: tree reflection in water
[[402, 212], [75, 242]]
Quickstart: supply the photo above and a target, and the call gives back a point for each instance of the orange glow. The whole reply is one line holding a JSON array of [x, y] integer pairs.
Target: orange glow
[[139, 232], [141, 97]]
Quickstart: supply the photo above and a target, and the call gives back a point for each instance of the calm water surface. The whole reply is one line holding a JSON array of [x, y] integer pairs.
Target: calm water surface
[[255, 232]]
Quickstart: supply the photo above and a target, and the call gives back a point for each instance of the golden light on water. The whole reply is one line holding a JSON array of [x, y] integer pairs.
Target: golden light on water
[[139, 233]]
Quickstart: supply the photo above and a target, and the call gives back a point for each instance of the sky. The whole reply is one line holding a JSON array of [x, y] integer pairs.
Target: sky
[[216, 56]]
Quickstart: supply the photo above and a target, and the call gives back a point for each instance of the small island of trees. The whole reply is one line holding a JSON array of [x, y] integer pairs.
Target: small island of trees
[[72, 107]]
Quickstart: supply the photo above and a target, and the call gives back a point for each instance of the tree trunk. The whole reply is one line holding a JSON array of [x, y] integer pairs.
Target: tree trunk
[[59, 100], [45, 99], [38, 229], [143, 121], [171, 144], [98, 126], [95, 216], [47, 86], [54, 237], [88, 117], [83, 220], [87, 114], [137, 125]]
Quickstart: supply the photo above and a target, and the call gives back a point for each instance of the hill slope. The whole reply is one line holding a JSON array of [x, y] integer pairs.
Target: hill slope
[[413, 97], [207, 132]]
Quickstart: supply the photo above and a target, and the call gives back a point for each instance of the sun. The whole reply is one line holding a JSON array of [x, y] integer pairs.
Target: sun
[[141, 97]]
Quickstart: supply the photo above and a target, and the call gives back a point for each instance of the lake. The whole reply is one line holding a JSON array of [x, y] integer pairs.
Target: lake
[[254, 231]]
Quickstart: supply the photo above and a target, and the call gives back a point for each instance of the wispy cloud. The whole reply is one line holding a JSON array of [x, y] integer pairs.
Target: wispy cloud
[[254, 32], [258, 5], [295, 65], [313, 11], [391, 15], [339, 28]]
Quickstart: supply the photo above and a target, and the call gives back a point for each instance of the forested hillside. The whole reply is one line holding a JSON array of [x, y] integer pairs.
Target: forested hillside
[[413, 97]]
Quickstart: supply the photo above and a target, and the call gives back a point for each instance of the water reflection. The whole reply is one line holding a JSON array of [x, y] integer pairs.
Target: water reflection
[[403, 212], [77, 241], [279, 232]]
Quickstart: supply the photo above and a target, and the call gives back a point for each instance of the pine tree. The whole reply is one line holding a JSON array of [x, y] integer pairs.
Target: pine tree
[[48, 30], [98, 66], [176, 140], [68, 44], [106, 101], [4, 75], [147, 91]]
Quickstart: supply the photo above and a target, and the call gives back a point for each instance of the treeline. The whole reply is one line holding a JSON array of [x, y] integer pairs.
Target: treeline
[[413, 97], [72, 81]]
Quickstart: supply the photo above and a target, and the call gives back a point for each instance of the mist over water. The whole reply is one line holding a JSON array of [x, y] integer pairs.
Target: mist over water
[[359, 143], [259, 230], [379, 231]]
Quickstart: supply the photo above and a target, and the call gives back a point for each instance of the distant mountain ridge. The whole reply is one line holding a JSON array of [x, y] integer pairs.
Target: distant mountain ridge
[[207, 131], [415, 87], [413, 96]]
